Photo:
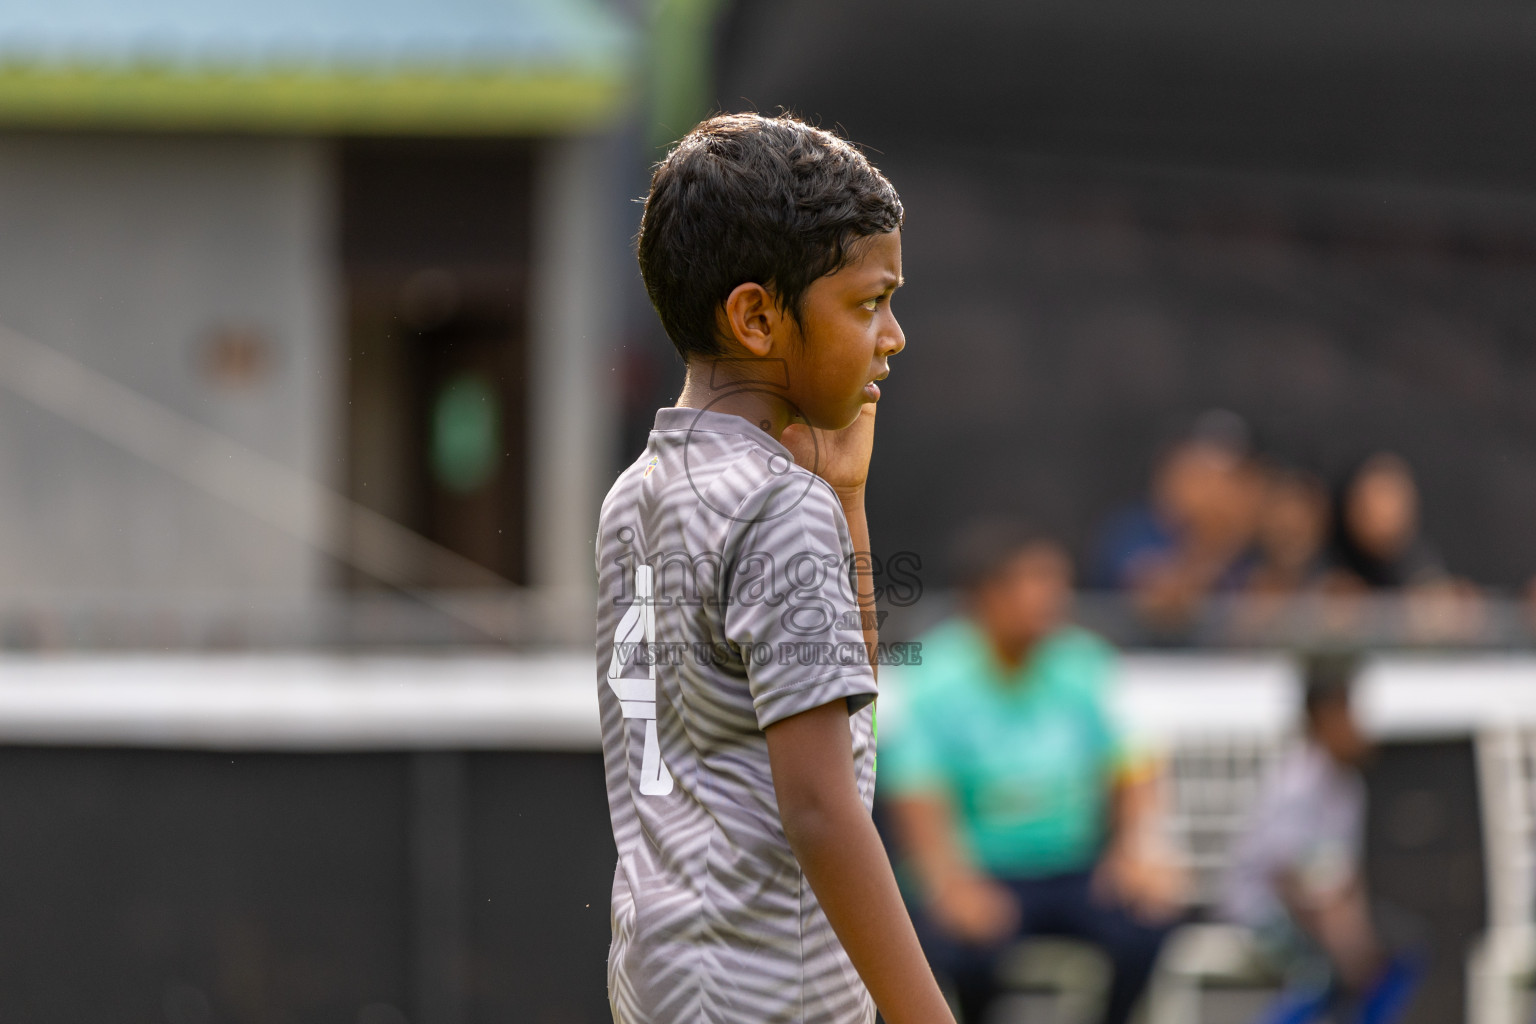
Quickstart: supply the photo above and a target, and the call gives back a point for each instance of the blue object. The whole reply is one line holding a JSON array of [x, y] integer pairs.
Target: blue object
[[1383, 1003], [357, 35], [1388, 998]]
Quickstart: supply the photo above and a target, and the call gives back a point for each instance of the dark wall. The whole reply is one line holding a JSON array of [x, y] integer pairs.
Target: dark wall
[[1422, 89], [354, 889], [1120, 216], [1424, 865], [1064, 322], [445, 887]]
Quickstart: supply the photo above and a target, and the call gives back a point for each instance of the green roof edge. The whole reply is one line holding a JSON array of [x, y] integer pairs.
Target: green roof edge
[[681, 72], [408, 101]]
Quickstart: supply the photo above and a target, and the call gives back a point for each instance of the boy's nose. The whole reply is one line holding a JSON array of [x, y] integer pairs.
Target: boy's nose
[[894, 340]]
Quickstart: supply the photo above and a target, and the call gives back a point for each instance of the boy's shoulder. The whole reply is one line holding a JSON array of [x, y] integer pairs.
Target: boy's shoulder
[[726, 471], [623, 486]]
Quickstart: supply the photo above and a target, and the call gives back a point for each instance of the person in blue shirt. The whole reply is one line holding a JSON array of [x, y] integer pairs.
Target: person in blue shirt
[[1016, 807], [1193, 536]]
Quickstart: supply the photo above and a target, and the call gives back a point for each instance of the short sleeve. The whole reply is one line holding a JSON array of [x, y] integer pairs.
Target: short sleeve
[[790, 606]]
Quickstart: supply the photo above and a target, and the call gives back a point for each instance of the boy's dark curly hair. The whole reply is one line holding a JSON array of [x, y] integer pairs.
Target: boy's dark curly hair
[[749, 198]]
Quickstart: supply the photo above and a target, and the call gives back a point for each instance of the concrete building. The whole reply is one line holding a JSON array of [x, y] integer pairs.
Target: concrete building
[[269, 269]]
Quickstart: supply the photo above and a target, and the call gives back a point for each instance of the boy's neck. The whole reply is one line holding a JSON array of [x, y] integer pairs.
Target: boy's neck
[[740, 387]]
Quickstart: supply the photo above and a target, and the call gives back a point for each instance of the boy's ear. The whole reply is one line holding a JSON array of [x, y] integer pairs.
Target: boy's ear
[[752, 317]]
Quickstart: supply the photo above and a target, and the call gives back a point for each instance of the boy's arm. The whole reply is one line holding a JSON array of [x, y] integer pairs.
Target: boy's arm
[[841, 458], [835, 842], [811, 754], [863, 572]]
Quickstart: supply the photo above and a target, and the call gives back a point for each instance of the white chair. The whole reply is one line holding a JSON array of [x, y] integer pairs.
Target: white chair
[[1200, 960], [1062, 981], [1502, 967], [1212, 785]]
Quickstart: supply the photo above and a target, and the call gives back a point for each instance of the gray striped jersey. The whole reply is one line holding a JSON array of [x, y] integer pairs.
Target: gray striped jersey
[[724, 606]]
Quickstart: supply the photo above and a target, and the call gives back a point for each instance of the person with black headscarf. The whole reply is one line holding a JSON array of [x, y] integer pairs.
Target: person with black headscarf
[[1377, 540]]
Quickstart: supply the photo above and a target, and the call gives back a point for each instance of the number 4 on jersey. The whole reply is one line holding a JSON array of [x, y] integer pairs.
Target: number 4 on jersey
[[637, 694]]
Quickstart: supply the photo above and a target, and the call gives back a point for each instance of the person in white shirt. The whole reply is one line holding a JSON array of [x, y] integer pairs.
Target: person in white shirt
[[1296, 877]]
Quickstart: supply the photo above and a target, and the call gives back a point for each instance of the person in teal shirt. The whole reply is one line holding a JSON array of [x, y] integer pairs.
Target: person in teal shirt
[[1017, 807]]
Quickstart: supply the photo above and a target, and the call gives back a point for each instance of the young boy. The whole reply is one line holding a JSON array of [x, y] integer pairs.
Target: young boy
[[734, 654]]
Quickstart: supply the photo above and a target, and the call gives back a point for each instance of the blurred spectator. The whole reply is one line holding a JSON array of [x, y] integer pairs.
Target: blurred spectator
[[1291, 539], [1192, 538], [1290, 550], [1378, 546], [1012, 795], [1377, 540], [1296, 876]]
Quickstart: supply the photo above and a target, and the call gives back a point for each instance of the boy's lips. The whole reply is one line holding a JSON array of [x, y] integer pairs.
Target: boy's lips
[[872, 391]]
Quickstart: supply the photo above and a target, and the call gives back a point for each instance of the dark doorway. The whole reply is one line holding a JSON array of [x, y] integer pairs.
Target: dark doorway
[[1424, 863], [434, 250]]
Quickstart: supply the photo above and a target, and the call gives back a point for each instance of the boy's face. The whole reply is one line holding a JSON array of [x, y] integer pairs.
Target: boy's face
[[847, 331]]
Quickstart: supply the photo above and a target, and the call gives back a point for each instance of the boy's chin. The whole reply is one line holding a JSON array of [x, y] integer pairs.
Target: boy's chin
[[839, 419]]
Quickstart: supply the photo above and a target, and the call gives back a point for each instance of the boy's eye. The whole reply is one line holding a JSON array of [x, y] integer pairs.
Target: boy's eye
[[871, 304]]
